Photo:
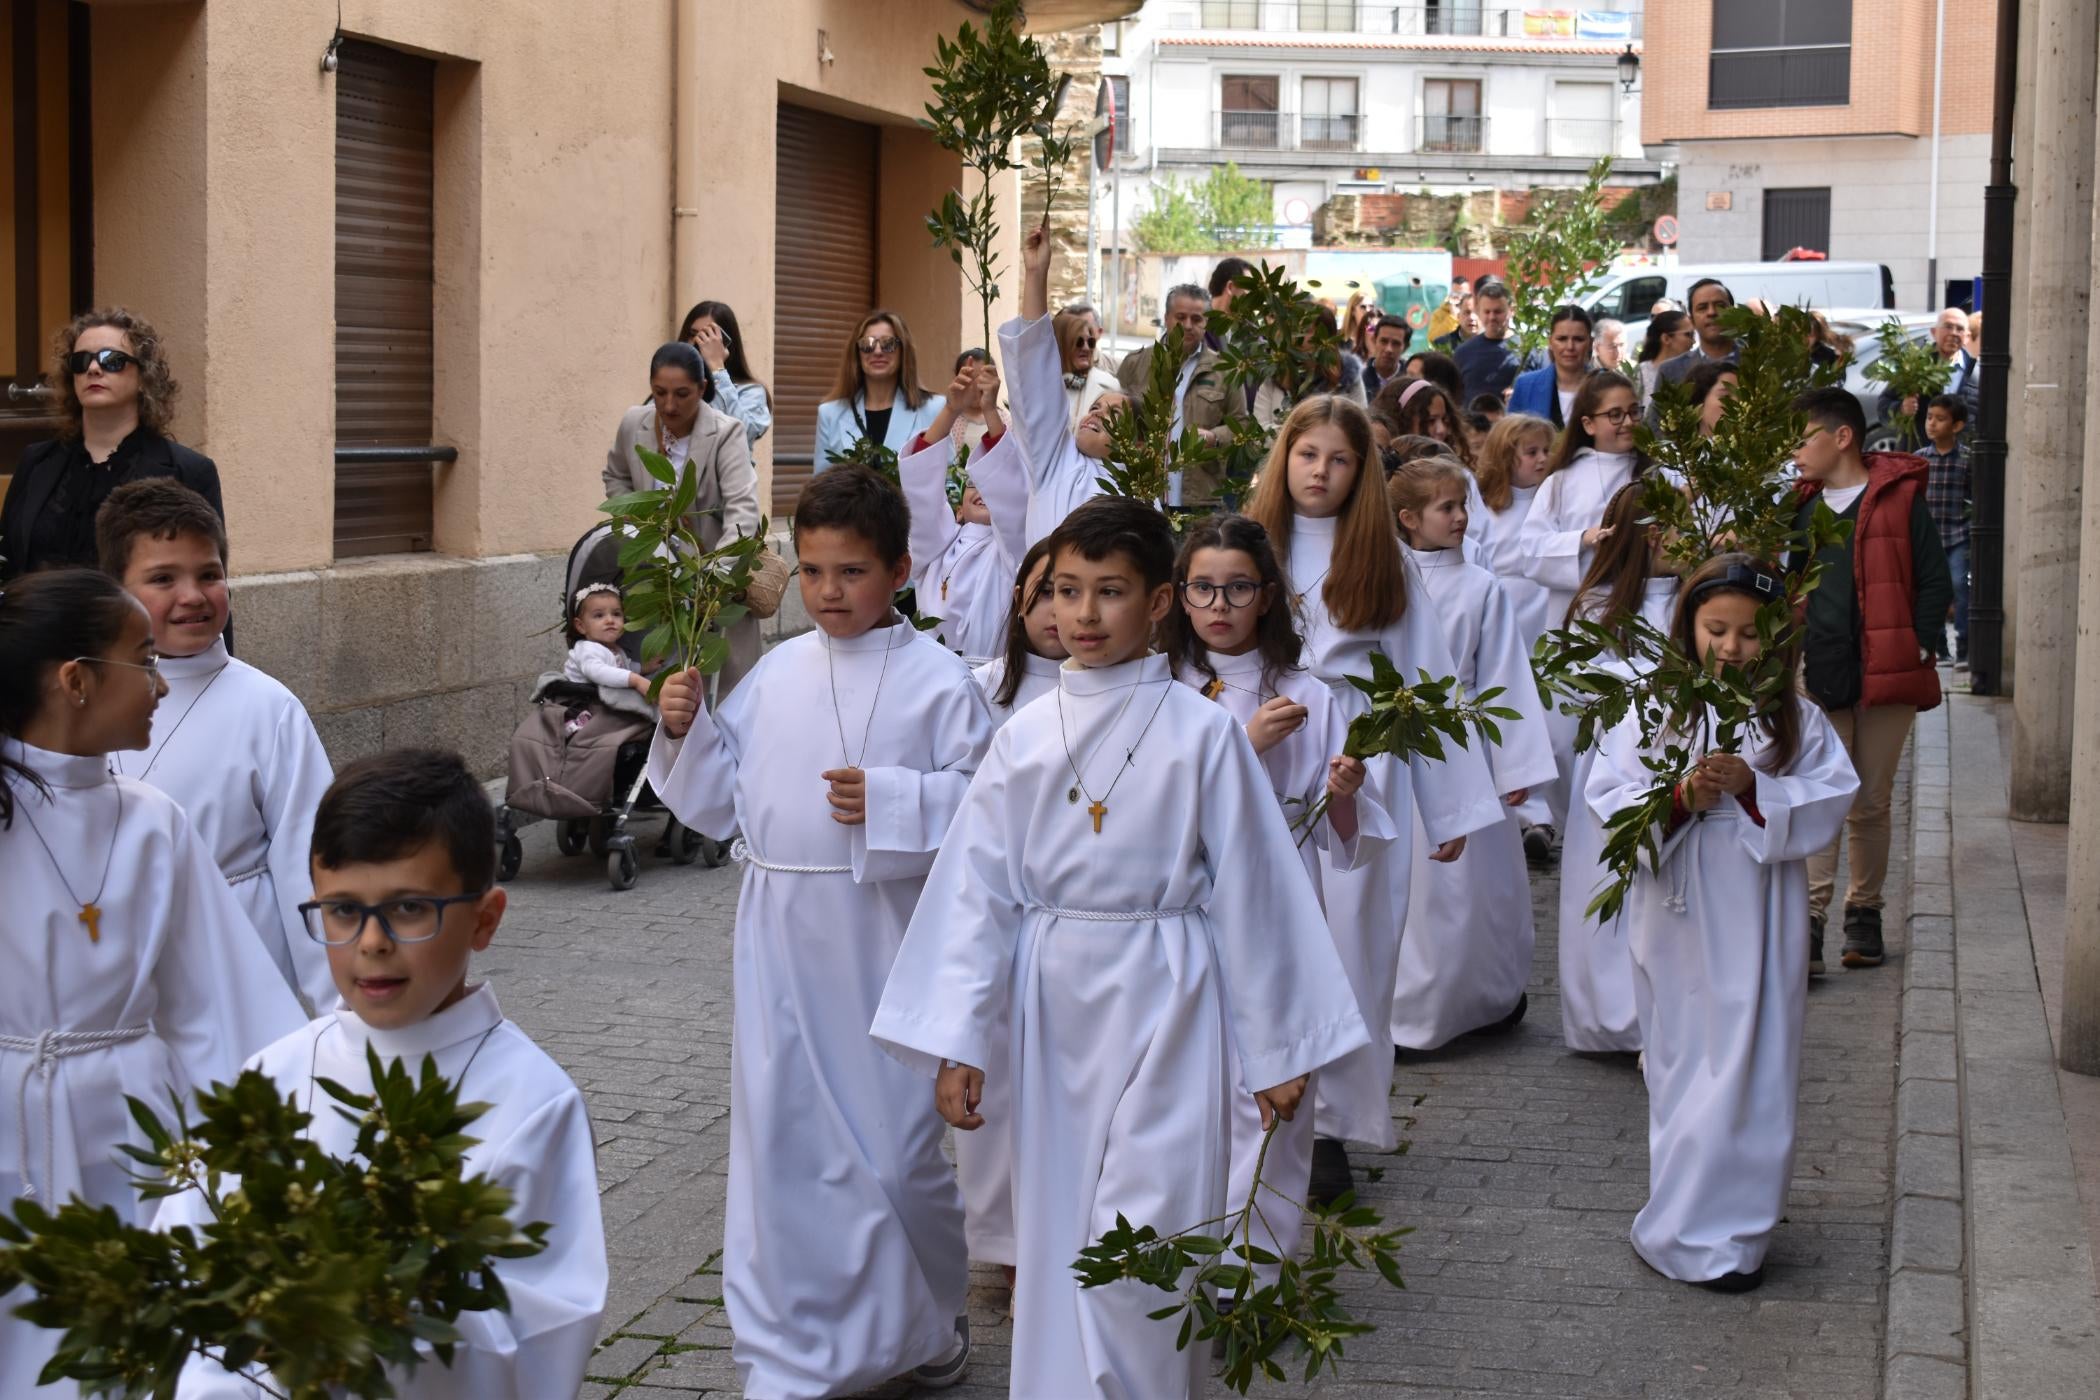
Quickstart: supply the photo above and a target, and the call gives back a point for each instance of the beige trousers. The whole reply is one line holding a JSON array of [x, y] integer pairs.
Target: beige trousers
[[1874, 738]]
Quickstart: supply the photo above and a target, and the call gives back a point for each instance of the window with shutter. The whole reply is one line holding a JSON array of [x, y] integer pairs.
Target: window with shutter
[[383, 297], [824, 274]]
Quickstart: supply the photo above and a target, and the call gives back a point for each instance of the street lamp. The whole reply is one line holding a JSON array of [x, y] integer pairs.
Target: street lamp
[[1629, 69]]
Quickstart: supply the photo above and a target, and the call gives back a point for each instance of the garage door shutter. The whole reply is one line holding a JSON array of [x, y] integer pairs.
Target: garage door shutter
[[824, 274], [383, 285]]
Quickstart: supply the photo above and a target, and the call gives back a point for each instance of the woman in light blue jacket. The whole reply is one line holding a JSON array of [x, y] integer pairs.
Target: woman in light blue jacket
[[711, 328], [877, 394]]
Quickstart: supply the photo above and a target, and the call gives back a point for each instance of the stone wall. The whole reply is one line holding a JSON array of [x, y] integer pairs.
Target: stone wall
[[1077, 52]]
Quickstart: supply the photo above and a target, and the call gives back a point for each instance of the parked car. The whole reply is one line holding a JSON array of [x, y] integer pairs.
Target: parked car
[[1629, 296], [1864, 328]]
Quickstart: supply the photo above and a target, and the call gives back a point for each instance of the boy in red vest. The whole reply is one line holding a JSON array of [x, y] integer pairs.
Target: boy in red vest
[[1872, 630]]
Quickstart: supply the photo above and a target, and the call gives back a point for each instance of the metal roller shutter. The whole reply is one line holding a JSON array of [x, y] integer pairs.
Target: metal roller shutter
[[383, 296], [824, 274]]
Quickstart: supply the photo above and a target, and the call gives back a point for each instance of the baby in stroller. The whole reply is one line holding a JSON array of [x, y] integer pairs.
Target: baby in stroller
[[578, 757]]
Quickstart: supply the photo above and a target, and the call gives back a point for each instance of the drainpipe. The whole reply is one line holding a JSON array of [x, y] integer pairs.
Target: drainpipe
[[1934, 297], [1987, 460], [685, 155]]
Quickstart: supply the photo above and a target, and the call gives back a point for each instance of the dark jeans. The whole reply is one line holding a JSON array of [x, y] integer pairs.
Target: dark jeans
[[1958, 566]]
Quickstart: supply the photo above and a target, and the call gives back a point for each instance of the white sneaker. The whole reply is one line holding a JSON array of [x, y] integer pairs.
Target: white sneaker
[[949, 1368]]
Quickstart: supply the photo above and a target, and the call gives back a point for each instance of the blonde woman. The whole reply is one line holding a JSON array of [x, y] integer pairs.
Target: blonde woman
[[877, 394], [1078, 332]]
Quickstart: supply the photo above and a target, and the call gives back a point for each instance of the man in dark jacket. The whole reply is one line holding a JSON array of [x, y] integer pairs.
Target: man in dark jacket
[[1486, 360], [1871, 631]]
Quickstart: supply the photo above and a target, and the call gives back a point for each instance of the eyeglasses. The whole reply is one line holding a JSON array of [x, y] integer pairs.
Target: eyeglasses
[[1202, 593], [150, 665], [112, 361], [880, 345], [1086, 342], [414, 919], [1616, 416]]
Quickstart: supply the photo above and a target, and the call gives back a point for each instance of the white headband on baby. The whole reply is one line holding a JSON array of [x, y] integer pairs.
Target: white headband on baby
[[588, 589]]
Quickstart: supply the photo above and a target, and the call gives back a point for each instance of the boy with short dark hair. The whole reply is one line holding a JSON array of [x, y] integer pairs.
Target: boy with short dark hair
[[1871, 627], [232, 746], [841, 759], [1121, 884], [1947, 497], [405, 893]]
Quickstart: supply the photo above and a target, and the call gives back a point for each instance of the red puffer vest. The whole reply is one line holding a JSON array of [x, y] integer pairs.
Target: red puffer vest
[[1885, 576]]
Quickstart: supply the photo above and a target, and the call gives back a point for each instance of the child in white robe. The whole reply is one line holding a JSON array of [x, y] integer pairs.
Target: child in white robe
[[1558, 540], [404, 875], [1628, 577], [135, 969], [1120, 882], [1060, 464], [1719, 934], [597, 622], [1465, 954], [1233, 639], [841, 758], [1512, 464], [1322, 499], [961, 568], [231, 745], [984, 1160]]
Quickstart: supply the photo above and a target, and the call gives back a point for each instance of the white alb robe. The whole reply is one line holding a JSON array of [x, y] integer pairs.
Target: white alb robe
[[535, 1141], [1297, 767], [1454, 797], [1719, 935], [1465, 955], [177, 982], [962, 573], [984, 1158], [236, 750], [1132, 964], [1059, 476], [1597, 1012], [1502, 553], [843, 1261]]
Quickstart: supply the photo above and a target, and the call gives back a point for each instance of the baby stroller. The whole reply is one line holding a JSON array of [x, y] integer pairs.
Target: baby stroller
[[579, 758]]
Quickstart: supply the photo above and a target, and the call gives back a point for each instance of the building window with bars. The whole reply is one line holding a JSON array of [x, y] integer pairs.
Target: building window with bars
[[1248, 111], [1452, 123], [1780, 53], [1328, 119]]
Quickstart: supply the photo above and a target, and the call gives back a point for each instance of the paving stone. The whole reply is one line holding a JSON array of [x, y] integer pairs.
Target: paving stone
[[1927, 1234], [1928, 1106], [1928, 1166], [1926, 1055], [1926, 1378], [621, 1357], [1927, 1315]]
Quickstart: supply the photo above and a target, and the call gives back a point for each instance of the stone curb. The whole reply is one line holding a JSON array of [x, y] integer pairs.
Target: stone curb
[[1926, 1356]]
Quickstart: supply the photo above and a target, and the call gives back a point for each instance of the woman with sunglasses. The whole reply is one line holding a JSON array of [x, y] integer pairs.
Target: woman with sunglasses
[[1078, 332], [877, 394], [115, 398]]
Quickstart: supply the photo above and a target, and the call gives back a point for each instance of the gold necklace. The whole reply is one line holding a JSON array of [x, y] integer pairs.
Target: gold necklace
[[90, 909]]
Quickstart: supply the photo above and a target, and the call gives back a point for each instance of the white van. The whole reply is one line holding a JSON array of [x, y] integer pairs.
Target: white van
[[1629, 295]]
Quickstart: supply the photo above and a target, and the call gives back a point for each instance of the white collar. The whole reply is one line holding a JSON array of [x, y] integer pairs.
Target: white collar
[[1077, 678], [473, 1015]]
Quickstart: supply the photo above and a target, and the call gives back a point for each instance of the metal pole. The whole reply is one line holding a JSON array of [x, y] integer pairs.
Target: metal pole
[[1115, 235], [1934, 297], [1093, 242], [1987, 461]]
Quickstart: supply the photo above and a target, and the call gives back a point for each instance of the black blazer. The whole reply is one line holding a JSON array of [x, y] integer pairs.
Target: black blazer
[[38, 474]]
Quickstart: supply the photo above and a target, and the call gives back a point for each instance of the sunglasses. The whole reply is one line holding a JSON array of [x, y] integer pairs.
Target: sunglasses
[[112, 361], [1086, 342], [880, 345]]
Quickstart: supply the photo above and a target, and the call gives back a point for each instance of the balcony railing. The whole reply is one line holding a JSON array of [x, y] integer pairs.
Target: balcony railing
[[1588, 137], [1445, 135], [1466, 18], [1288, 131]]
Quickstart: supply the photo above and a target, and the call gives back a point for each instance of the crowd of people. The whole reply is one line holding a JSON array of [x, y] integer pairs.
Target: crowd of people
[[1075, 862]]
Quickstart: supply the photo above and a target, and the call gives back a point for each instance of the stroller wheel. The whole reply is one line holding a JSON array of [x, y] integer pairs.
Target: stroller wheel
[[600, 829], [570, 836], [688, 846], [715, 853], [510, 858], [622, 867]]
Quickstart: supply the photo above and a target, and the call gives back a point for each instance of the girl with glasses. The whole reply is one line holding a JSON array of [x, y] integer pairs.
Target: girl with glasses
[[137, 968], [877, 395], [1465, 954], [1232, 635], [1559, 539], [114, 398]]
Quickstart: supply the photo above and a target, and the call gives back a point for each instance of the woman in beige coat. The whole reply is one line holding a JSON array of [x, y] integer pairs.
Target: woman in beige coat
[[677, 423]]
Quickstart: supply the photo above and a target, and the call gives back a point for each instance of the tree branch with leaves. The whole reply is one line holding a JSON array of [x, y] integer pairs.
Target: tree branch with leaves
[[1564, 252]]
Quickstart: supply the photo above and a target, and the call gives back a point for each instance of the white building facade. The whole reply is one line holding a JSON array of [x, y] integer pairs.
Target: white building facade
[[1325, 97]]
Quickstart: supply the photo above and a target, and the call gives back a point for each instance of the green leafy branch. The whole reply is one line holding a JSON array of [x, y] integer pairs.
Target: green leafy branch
[[872, 454], [324, 1271], [990, 89], [681, 595], [1566, 250], [1406, 721], [1253, 1322], [1909, 368]]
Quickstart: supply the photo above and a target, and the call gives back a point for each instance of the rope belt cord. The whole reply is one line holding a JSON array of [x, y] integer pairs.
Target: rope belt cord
[[742, 854], [1115, 916], [244, 876], [45, 1050]]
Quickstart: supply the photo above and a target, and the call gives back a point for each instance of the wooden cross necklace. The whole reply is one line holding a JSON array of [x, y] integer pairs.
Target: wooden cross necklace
[[1098, 806], [90, 909]]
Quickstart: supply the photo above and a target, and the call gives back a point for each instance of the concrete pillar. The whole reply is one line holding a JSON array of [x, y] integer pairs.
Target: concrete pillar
[[2052, 407], [2078, 1047], [2023, 227]]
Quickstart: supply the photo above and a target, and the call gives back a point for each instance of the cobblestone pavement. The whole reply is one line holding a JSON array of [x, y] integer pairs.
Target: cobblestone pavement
[[1525, 1167]]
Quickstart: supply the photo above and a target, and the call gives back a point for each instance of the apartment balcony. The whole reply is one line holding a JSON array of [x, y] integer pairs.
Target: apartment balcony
[[1306, 18], [1585, 137], [1286, 131], [1449, 136]]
